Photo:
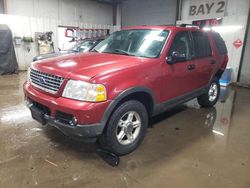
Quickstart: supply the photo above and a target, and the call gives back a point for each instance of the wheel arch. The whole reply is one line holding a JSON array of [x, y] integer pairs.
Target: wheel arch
[[219, 73], [142, 94]]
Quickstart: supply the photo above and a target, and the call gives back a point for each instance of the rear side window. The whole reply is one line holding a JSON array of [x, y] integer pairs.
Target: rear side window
[[201, 45], [220, 43]]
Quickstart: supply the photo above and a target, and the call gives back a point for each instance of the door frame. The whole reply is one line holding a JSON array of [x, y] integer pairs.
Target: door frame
[[244, 46]]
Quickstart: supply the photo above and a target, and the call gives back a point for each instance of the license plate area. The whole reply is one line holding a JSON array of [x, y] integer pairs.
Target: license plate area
[[38, 114]]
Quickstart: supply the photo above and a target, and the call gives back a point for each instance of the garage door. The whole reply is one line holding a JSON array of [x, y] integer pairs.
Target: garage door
[[245, 69]]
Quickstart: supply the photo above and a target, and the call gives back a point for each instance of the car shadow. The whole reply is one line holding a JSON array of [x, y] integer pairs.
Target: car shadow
[[165, 115], [162, 129]]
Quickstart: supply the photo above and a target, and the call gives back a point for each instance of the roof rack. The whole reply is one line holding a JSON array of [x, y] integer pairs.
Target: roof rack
[[189, 25], [181, 25], [167, 25]]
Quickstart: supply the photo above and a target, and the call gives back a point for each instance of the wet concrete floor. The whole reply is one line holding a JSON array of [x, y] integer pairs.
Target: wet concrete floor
[[185, 147]]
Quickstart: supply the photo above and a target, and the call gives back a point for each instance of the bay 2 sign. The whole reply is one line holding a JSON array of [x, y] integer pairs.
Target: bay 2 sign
[[207, 9]]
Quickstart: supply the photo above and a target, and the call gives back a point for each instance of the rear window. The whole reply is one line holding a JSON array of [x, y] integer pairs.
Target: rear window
[[220, 43], [201, 45]]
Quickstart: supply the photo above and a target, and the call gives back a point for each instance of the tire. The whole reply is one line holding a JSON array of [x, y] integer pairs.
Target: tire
[[126, 128], [210, 98]]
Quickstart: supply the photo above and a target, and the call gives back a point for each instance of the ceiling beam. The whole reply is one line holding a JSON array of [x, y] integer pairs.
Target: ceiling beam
[[5, 6], [112, 2]]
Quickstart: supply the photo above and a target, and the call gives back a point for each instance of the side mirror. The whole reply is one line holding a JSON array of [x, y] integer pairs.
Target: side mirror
[[59, 49], [176, 57]]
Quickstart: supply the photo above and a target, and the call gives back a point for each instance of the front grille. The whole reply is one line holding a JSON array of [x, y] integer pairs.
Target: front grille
[[44, 81]]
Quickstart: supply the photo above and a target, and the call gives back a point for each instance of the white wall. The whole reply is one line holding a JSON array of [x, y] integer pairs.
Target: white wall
[[235, 17], [68, 10], [1, 7], [25, 17], [148, 12]]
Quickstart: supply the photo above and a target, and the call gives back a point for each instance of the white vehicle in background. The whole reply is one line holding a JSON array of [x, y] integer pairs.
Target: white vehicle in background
[[80, 47]]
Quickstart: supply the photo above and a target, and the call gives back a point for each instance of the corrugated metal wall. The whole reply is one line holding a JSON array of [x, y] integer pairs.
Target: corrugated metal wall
[[27, 26], [77, 10], [25, 17], [1, 7], [245, 69], [148, 12]]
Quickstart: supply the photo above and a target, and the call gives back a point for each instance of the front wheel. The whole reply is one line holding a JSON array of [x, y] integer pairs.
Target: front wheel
[[126, 128], [210, 98]]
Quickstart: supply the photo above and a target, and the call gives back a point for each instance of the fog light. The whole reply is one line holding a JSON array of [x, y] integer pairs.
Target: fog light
[[28, 103], [73, 122]]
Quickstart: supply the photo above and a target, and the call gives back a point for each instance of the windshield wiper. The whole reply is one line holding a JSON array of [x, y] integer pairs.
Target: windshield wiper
[[71, 50], [122, 51], [118, 51], [94, 50]]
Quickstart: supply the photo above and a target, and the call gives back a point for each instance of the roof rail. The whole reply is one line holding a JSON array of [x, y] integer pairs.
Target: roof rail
[[189, 25], [167, 25]]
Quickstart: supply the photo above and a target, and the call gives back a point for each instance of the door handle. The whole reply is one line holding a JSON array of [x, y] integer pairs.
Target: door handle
[[191, 66], [213, 62]]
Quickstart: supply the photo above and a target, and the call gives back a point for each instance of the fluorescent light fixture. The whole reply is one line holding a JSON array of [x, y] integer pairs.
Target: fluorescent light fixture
[[218, 132], [207, 29], [224, 29]]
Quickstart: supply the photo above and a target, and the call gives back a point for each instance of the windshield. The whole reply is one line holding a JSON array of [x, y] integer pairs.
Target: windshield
[[83, 46], [137, 42]]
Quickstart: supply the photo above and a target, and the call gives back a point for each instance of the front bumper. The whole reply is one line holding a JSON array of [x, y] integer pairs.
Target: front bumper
[[88, 116]]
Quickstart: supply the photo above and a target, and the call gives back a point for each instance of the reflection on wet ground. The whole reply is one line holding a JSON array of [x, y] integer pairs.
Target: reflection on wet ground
[[184, 147]]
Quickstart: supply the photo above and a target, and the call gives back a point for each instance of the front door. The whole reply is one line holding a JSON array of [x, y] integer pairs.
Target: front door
[[178, 77]]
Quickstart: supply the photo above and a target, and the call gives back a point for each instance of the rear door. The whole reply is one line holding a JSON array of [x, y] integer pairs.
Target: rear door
[[203, 59]]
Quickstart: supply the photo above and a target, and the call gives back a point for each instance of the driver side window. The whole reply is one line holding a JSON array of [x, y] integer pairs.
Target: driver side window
[[181, 44]]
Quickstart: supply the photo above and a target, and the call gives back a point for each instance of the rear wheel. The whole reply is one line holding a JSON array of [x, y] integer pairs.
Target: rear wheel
[[210, 98], [126, 128]]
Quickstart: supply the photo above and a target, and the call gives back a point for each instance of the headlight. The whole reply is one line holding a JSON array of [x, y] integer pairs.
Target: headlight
[[84, 91]]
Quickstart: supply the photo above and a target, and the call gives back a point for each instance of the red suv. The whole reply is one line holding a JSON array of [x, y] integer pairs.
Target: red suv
[[110, 93]]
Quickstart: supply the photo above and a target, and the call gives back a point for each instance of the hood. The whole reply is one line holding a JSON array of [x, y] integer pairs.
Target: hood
[[56, 54], [87, 65]]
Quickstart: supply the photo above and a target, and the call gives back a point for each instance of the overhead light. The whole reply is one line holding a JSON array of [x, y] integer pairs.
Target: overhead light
[[218, 133], [224, 29], [207, 29]]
